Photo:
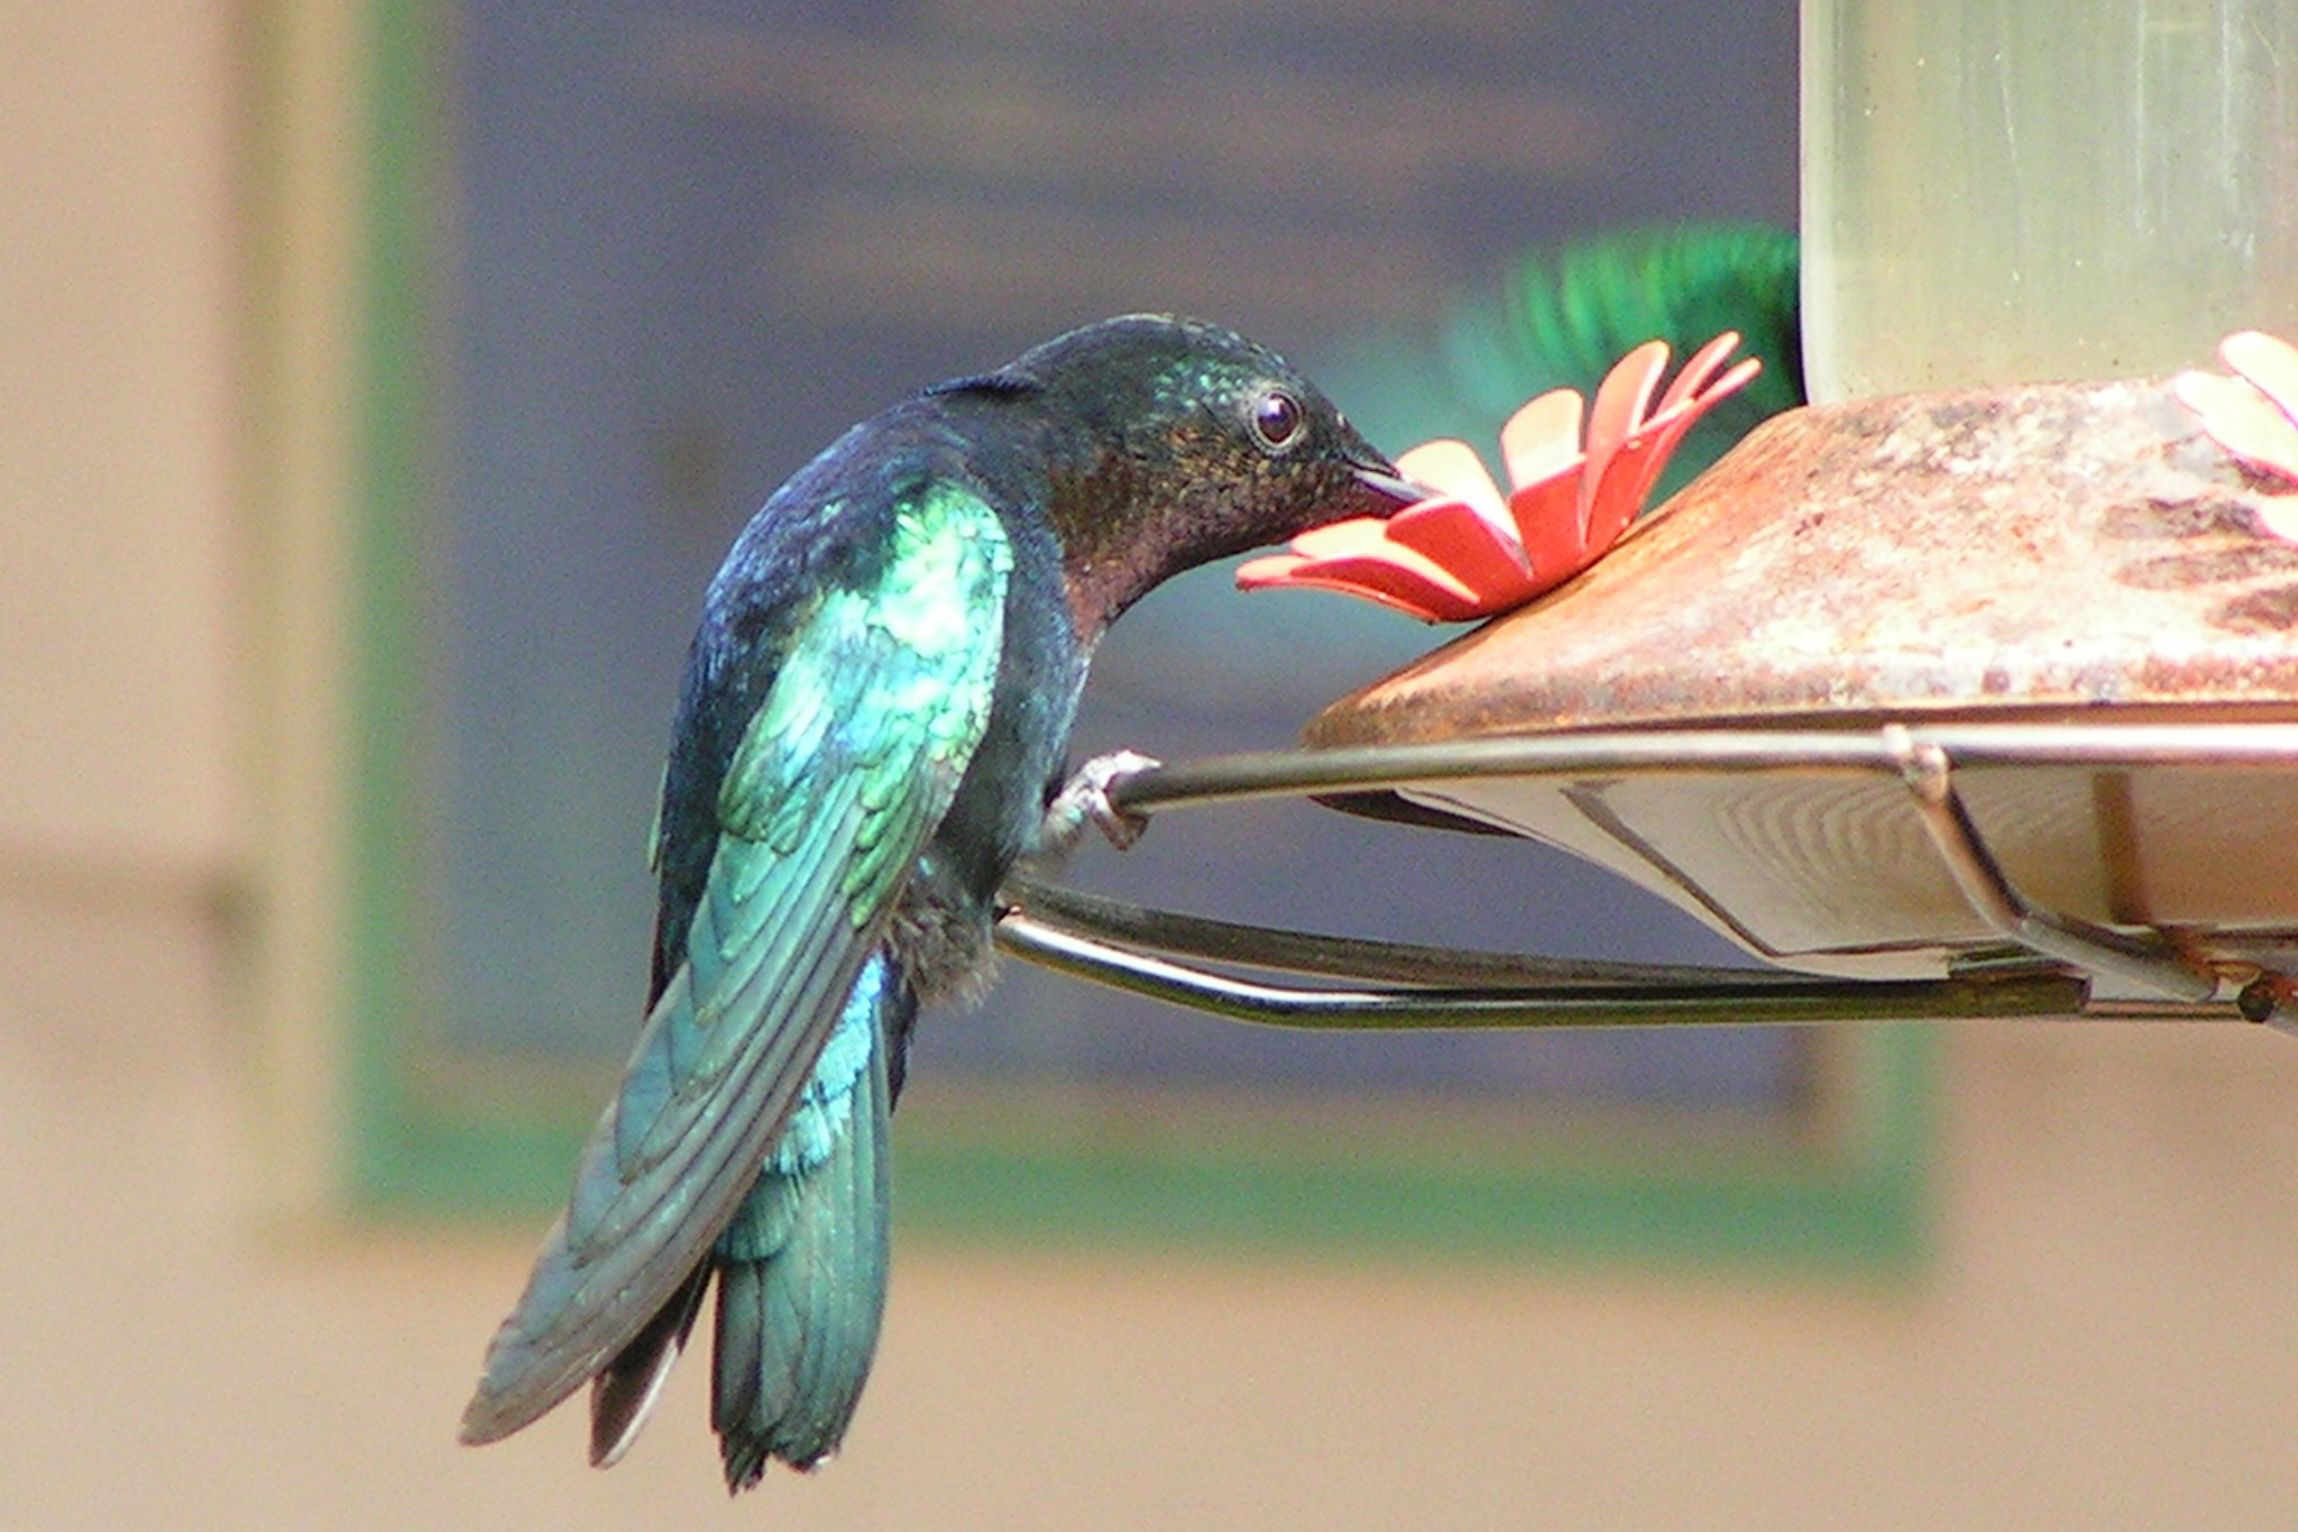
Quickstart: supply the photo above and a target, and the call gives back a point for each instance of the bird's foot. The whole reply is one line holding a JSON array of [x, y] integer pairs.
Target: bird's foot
[[1085, 800]]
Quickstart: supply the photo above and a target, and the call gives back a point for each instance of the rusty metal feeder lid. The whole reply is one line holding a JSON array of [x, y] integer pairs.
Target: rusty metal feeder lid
[[1945, 703], [2038, 551], [2072, 555]]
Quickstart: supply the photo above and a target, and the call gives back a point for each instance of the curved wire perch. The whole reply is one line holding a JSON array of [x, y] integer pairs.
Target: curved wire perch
[[1136, 949], [1370, 768], [1753, 1000], [1341, 957]]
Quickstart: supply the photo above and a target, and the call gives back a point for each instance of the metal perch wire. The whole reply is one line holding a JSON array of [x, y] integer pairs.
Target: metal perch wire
[[2030, 961]]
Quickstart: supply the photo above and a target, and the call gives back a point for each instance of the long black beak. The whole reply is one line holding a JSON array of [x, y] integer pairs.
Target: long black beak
[[1383, 480]]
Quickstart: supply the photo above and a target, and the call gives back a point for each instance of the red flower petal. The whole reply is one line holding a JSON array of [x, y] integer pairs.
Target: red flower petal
[[1542, 438], [2242, 420], [1455, 472], [1269, 570], [1699, 367], [1456, 535], [2267, 361], [1396, 577], [1416, 572], [1621, 405], [1646, 453], [2281, 517], [1548, 516], [1616, 496], [1358, 534]]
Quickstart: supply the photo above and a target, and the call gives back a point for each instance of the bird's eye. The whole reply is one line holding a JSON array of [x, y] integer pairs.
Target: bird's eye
[[1276, 419]]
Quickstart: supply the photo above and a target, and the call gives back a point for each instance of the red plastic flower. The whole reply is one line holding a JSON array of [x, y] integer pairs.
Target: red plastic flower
[[1465, 552], [2253, 415]]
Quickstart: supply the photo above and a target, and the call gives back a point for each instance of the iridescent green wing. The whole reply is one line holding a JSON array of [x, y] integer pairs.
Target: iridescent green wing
[[839, 779]]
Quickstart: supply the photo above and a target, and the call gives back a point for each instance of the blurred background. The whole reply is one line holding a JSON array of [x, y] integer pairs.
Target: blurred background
[[380, 383]]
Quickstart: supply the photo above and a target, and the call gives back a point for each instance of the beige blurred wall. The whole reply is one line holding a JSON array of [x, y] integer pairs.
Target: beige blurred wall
[[116, 436], [2108, 1338]]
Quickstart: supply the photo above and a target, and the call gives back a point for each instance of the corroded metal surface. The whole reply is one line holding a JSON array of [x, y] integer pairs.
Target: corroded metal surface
[[2079, 555], [2030, 552]]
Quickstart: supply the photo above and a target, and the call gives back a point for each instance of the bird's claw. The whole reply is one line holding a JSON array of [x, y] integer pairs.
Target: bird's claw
[[1085, 800]]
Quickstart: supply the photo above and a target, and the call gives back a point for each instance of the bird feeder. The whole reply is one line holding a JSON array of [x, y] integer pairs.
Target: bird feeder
[[1957, 695]]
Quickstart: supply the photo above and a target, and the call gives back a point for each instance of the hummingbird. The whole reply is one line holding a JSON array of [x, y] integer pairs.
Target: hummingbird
[[872, 731]]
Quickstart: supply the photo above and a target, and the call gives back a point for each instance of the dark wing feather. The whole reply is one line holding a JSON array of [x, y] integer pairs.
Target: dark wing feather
[[839, 779]]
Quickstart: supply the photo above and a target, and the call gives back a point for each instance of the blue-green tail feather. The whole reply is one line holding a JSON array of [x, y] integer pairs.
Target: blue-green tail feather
[[802, 1268]]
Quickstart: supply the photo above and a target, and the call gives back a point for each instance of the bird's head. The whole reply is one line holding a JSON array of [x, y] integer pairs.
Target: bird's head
[[1174, 442]]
